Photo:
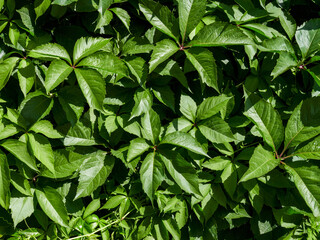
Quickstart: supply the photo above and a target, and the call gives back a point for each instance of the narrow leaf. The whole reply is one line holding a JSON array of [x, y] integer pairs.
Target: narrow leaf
[[4, 181]]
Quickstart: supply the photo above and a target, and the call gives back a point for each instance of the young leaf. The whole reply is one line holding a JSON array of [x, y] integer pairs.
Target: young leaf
[[93, 173], [307, 182], [20, 151], [216, 130], [50, 52], [190, 14], [160, 17], [151, 174], [261, 162], [202, 59], [184, 140], [137, 147], [220, 34], [52, 204], [57, 72], [86, 46], [92, 86], [303, 124], [42, 150], [4, 181], [267, 120], [151, 126], [161, 52], [181, 171], [308, 37], [211, 106]]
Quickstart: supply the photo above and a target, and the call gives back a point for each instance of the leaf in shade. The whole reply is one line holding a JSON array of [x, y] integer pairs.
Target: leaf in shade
[[6, 68], [309, 150], [26, 75], [261, 162]]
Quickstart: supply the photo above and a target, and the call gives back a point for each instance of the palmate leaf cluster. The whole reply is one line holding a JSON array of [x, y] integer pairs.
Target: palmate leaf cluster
[[173, 119]]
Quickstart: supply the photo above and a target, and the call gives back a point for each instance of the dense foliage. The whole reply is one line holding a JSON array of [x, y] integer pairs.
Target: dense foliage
[[177, 119]]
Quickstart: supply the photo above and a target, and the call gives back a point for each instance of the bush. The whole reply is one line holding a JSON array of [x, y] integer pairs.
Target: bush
[[178, 119]]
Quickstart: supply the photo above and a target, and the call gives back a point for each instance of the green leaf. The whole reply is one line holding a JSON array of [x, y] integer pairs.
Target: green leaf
[[92, 86], [261, 162], [4, 181], [172, 227], [184, 140], [308, 37], [307, 182], [26, 75], [41, 6], [122, 15], [165, 95], [50, 52], [57, 72], [138, 68], [216, 130], [21, 207], [14, 34], [179, 124], [151, 126], [93, 206], [303, 124], [161, 52], [137, 147], [35, 107], [309, 150], [203, 61], [106, 64], [211, 106], [188, 107], [229, 178], [42, 150], [86, 46], [181, 171], [143, 102], [46, 128], [267, 120], [161, 17], [8, 130], [190, 14], [20, 183], [220, 34], [79, 135], [63, 2], [52, 204], [104, 5], [27, 17], [217, 163], [93, 173], [20, 151], [6, 68], [151, 174], [285, 62]]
